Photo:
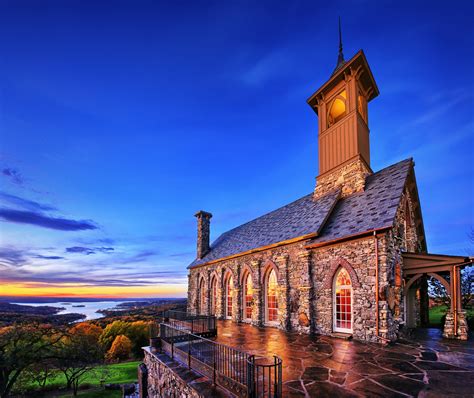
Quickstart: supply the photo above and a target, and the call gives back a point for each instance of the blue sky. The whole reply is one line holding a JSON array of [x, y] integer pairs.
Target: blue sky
[[118, 120]]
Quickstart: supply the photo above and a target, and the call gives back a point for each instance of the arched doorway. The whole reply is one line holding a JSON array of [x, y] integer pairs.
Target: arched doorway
[[342, 302], [213, 295], [229, 291], [247, 297], [271, 299], [202, 297]]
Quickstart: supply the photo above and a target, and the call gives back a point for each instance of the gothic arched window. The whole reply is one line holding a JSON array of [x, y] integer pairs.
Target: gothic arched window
[[337, 108], [202, 297], [342, 301], [229, 291], [213, 295], [247, 296], [271, 302]]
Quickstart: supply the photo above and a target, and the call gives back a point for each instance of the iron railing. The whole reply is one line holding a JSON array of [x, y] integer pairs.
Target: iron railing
[[203, 325], [238, 372]]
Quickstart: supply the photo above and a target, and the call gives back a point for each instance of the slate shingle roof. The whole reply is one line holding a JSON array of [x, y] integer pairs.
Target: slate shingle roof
[[328, 216], [374, 208]]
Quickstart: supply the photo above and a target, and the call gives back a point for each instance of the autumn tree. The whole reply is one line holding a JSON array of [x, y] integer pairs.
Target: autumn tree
[[79, 353], [120, 350], [22, 346], [111, 331], [137, 332]]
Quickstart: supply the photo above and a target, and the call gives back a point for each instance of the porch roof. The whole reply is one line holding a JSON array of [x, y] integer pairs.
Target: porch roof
[[419, 263]]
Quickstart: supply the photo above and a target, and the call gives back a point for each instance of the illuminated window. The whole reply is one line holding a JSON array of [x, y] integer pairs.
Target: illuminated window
[[342, 302], [202, 297], [271, 292], [247, 296], [213, 295], [229, 292], [337, 109]]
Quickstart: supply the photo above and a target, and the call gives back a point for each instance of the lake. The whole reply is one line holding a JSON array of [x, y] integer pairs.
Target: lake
[[89, 310]]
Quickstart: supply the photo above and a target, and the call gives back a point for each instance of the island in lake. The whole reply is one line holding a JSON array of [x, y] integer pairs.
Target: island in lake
[[15, 313]]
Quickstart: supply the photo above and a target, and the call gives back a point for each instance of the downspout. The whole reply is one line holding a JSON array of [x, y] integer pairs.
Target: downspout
[[376, 285]]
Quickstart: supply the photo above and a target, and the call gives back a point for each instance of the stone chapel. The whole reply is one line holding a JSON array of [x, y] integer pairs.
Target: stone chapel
[[349, 258]]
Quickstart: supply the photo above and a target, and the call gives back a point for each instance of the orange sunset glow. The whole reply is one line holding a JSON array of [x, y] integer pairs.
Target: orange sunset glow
[[74, 290]]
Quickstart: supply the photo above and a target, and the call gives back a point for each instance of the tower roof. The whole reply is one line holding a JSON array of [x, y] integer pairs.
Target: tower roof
[[357, 64]]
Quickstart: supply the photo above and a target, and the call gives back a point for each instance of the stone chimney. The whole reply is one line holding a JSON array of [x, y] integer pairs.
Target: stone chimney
[[203, 233]]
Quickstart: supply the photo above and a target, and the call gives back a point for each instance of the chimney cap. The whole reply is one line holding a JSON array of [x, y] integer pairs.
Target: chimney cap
[[203, 214]]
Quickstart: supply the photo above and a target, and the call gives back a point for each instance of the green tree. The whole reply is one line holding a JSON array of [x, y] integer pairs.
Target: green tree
[[139, 334], [22, 346], [79, 353]]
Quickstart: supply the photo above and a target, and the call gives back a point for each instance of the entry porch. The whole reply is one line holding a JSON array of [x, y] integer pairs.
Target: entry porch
[[417, 268]]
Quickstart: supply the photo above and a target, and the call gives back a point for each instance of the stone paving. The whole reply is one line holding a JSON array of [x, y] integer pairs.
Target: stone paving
[[321, 366]]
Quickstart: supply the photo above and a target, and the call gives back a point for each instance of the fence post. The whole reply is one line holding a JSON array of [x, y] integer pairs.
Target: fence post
[[214, 376], [250, 377], [189, 350], [172, 344], [192, 325]]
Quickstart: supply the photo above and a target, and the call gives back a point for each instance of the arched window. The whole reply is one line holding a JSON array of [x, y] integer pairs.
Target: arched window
[[213, 295], [202, 297], [271, 297], [362, 106], [229, 290], [337, 109], [247, 296], [342, 302]]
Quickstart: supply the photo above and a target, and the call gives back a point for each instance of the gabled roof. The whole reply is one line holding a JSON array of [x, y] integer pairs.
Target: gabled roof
[[324, 219], [375, 208], [302, 217]]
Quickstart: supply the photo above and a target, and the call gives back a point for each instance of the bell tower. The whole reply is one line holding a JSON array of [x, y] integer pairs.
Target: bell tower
[[343, 135]]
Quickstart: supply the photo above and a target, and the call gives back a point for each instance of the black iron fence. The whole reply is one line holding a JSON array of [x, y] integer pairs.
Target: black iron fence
[[238, 372], [203, 325]]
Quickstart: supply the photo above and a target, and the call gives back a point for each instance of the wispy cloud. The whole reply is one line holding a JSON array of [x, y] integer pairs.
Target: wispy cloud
[[267, 67], [11, 257], [43, 257], [45, 221], [24, 203], [89, 250], [13, 175]]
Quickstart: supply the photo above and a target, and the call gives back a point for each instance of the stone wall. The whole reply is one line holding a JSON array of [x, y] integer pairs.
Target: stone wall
[[163, 380], [402, 237], [305, 297], [350, 176], [358, 257]]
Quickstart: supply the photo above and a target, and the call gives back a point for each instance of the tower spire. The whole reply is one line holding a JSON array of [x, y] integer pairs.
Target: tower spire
[[340, 57]]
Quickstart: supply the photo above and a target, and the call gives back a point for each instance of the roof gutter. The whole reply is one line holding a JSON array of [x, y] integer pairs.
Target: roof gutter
[[348, 237]]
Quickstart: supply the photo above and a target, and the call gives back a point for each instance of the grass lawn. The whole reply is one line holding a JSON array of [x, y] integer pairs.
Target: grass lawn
[[117, 373], [94, 393], [438, 311]]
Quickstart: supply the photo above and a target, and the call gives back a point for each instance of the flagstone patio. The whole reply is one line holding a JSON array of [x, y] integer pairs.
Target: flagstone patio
[[320, 366]]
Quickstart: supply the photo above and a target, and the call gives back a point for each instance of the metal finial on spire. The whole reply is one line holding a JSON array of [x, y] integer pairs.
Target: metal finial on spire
[[340, 57]]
